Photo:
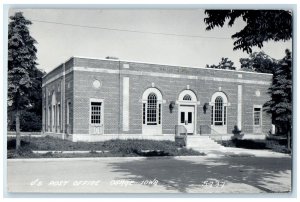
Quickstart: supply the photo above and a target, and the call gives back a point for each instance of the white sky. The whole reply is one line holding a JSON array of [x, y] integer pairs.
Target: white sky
[[57, 43]]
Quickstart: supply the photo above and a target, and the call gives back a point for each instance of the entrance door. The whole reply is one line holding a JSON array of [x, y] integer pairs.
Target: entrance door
[[187, 118]]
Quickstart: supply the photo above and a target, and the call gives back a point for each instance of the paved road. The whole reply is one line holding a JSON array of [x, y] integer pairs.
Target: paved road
[[204, 174]]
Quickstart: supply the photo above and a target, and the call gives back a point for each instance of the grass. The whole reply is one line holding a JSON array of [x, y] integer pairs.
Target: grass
[[115, 148]]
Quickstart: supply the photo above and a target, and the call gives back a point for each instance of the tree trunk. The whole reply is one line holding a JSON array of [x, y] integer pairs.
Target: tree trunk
[[18, 135], [289, 140]]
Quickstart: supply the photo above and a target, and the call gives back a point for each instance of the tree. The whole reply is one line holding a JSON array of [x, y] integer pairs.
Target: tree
[[262, 26], [224, 64], [259, 62], [280, 105], [31, 117], [21, 68]]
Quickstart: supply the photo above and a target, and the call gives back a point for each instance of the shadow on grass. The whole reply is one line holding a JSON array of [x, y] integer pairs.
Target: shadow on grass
[[182, 175]]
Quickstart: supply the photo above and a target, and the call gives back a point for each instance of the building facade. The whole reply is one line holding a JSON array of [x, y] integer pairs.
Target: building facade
[[86, 99]]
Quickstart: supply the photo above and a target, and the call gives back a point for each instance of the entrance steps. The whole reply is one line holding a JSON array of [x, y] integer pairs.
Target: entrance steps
[[202, 143]]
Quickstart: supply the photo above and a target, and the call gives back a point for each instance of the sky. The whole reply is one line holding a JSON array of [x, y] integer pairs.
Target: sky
[[57, 42]]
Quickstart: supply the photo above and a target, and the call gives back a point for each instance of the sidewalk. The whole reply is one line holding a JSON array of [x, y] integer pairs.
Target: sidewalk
[[240, 152]]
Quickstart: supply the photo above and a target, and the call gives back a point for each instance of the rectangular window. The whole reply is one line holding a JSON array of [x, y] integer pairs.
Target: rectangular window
[[189, 117], [54, 117], [49, 117], [159, 113], [257, 116], [218, 114], [45, 121], [212, 115], [61, 85], [68, 112], [225, 111], [144, 113], [152, 112], [182, 118], [58, 117], [96, 112]]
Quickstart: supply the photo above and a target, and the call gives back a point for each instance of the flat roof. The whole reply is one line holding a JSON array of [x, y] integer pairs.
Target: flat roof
[[139, 62]]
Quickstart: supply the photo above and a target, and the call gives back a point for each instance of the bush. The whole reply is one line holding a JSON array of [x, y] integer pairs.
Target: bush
[[279, 140], [23, 152], [277, 145], [29, 122], [11, 144], [272, 144], [135, 147], [158, 148], [237, 134], [132, 147], [249, 144], [151, 153]]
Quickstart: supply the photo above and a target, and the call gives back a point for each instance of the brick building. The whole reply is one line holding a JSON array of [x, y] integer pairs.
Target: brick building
[[86, 99]]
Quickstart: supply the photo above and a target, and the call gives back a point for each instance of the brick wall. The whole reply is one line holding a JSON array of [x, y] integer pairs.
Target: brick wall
[[81, 90], [48, 90], [55, 83], [109, 92]]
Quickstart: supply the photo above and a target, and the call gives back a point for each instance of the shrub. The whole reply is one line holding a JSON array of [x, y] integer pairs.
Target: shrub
[[237, 134], [158, 148], [136, 146], [249, 144], [277, 145], [29, 122], [279, 140], [131, 147], [11, 144]]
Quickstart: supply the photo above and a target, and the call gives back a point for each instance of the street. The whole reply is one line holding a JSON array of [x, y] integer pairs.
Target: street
[[202, 174]]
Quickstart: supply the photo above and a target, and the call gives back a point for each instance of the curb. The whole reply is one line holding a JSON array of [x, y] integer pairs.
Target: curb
[[35, 136], [101, 158], [67, 152]]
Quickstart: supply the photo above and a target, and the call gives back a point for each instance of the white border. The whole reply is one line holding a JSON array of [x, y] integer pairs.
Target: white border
[[129, 197]]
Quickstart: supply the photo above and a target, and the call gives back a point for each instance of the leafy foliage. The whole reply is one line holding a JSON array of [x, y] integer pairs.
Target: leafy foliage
[[262, 26], [132, 147], [249, 144], [21, 60], [280, 105], [30, 122], [24, 79], [272, 144], [224, 64], [259, 62]]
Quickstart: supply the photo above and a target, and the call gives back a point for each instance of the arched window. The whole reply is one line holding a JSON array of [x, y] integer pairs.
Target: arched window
[[152, 109], [152, 100], [187, 97], [219, 109]]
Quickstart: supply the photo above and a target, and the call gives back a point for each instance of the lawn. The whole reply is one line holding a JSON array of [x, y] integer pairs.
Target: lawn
[[111, 148]]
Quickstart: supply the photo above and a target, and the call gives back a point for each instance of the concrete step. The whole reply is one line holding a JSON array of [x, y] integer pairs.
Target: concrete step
[[202, 142]]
